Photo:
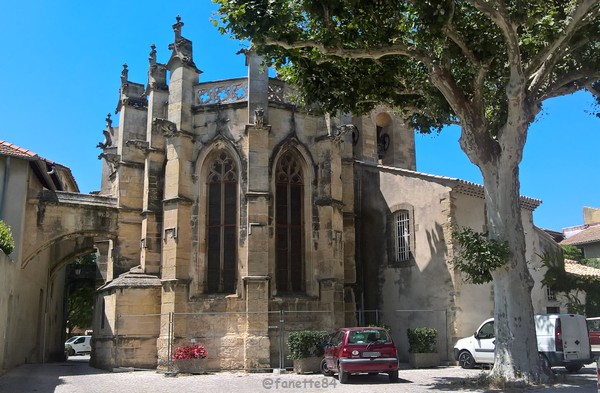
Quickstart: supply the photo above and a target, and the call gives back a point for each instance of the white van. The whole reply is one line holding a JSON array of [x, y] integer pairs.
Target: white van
[[562, 341], [78, 345]]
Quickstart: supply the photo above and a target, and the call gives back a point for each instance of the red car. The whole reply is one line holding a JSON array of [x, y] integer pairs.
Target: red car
[[594, 333], [360, 350]]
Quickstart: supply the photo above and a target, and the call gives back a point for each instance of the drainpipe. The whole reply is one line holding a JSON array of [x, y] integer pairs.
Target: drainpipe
[[4, 185]]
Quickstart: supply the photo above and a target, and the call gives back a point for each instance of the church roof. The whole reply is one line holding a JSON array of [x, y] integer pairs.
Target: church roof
[[457, 185]]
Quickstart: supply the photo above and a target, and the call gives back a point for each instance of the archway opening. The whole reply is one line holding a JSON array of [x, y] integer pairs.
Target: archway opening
[[81, 281]]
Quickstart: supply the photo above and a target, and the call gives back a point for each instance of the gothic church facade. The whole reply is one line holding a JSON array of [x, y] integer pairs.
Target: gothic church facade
[[236, 205]]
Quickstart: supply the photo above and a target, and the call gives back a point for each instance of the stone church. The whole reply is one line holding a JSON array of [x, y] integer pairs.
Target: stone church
[[237, 207]]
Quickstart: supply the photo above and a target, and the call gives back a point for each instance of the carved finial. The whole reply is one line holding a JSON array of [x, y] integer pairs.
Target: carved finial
[[124, 74], [177, 28], [108, 122], [152, 57]]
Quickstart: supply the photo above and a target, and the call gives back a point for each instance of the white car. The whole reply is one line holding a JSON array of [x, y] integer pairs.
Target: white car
[[78, 345], [562, 341]]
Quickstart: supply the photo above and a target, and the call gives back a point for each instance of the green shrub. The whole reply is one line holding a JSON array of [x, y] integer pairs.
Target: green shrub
[[422, 340], [306, 343], [7, 244]]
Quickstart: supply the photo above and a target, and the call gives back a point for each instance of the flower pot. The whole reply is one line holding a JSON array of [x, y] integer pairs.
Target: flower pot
[[308, 365], [424, 360], [190, 366]]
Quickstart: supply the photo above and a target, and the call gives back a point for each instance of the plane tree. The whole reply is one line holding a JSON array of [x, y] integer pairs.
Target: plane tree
[[485, 65]]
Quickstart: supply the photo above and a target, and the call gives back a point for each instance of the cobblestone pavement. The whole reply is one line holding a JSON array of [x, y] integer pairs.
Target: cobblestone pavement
[[76, 376]]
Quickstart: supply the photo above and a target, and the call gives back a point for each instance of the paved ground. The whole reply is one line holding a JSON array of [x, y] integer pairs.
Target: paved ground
[[76, 376]]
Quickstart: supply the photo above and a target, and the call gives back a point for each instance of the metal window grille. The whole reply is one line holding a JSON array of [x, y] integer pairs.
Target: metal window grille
[[550, 294], [402, 235]]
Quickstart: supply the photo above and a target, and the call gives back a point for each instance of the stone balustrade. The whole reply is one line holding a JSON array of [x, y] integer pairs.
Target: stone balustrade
[[231, 91]]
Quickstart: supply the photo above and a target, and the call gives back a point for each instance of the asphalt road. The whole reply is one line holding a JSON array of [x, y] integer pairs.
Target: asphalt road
[[76, 376]]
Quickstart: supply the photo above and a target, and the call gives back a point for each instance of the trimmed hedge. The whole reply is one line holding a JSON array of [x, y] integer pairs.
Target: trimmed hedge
[[306, 343], [422, 340]]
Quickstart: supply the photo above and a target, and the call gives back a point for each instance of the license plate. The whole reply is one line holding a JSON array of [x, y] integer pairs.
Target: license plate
[[371, 354]]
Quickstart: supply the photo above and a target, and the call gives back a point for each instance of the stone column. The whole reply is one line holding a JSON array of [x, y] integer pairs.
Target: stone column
[[330, 251], [258, 197], [129, 173], [158, 96]]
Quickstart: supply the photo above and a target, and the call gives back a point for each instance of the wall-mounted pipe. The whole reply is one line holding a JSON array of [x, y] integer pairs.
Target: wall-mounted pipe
[[4, 185]]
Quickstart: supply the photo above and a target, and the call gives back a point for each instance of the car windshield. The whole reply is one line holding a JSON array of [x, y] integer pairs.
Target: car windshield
[[71, 340], [369, 336]]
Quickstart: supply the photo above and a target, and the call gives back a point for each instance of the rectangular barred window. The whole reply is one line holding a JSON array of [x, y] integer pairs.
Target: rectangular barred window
[[550, 294], [402, 235]]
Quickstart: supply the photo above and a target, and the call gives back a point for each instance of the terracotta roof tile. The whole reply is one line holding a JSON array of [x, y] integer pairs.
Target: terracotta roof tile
[[12, 150], [588, 235], [580, 270]]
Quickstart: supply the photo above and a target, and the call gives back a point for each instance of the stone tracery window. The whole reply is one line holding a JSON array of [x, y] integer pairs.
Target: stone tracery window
[[289, 194], [221, 225]]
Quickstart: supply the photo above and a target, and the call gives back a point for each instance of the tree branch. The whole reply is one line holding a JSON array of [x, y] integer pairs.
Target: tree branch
[[509, 30], [363, 53], [458, 40], [570, 83], [551, 53]]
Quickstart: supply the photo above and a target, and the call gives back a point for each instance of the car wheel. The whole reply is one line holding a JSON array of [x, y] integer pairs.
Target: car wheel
[[324, 370], [71, 352], [344, 376], [573, 367], [465, 359], [393, 376]]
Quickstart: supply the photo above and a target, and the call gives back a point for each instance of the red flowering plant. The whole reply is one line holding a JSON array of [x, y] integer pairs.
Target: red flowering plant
[[190, 352]]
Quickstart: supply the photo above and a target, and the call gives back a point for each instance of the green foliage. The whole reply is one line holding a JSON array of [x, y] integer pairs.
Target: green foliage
[[7, 244], [80, 292], [80, 307], [422, 340], [354, 55], [306, 343], [572, 252], [591, 262], [380, 325], [570, 285], [477, 256]]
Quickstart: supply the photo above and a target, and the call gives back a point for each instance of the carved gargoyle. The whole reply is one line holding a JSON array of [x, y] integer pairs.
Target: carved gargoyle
[[139, 144], [168, 128], [110, 158], [339, 131], [107, 140]]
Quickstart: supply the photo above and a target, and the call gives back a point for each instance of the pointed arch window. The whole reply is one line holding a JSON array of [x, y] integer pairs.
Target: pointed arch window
[[289, 194], [221, 225]]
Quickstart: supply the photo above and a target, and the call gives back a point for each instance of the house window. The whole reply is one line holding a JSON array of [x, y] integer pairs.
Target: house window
[[550, 294], [221, 225], [289, 194], [401, 226]]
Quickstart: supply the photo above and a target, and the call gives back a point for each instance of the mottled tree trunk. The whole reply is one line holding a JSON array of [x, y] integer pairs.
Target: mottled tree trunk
[[516, 345], [498, 159]]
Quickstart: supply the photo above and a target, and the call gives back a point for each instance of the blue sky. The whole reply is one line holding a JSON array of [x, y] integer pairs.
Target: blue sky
[[61, 63]]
